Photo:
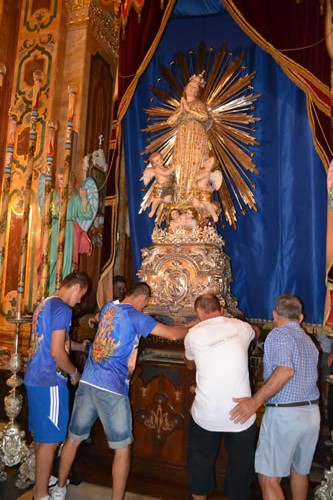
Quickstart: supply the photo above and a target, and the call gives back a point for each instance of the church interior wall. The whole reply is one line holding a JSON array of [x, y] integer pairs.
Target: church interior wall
[[61, 39]]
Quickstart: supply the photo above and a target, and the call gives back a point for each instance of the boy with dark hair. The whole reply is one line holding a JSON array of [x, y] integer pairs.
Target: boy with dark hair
[[44, 378]]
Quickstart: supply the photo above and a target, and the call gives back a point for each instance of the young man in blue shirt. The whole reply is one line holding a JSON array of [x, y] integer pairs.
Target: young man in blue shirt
[[46, 375], [103, 390]]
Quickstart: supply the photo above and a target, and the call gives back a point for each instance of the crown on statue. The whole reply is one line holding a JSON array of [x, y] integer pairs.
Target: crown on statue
[[199, 79]]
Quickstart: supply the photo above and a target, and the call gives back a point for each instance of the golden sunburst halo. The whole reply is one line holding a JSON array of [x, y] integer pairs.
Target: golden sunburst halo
[[230, 100]]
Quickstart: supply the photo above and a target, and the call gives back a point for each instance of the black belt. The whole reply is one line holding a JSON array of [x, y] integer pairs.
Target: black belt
[[299, 403]]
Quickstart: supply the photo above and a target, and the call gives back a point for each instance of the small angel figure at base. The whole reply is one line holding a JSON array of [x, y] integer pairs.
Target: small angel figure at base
[[183, 219]]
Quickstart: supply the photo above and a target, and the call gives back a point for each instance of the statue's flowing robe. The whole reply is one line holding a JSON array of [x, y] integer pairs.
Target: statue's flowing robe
[[191, 148], [74, 211]]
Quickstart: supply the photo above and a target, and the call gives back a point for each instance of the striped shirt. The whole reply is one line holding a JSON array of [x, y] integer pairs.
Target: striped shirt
[[289, 346]]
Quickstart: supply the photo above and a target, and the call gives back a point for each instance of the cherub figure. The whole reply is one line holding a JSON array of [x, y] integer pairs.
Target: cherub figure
[[206, 182], [177, 219], [191, 216], [162, 189]]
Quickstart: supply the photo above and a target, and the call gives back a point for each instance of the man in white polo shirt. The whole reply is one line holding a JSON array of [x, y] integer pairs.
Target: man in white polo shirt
[[218, 348]]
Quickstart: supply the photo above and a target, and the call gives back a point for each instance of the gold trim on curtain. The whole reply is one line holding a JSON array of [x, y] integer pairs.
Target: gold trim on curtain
[[127, 97], [105, 281], [294, 71], [300, 76]]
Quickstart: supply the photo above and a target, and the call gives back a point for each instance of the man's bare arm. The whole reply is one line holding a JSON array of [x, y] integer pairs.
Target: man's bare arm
[[247, 407], [60, 356], [79, 346], [132, 362], [170, 332]]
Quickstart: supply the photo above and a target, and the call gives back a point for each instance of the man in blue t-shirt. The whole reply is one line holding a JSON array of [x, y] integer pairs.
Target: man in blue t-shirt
[[46, 375], [103, 390]]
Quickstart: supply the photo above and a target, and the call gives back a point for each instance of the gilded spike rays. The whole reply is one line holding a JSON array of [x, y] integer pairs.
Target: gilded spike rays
[[168, 75], [230, 102], [183, 65]]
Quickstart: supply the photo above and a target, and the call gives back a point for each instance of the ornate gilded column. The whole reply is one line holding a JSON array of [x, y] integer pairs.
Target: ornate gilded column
[[72, 92], [46, 213], [6, 190], [13, 448], [37, 75]]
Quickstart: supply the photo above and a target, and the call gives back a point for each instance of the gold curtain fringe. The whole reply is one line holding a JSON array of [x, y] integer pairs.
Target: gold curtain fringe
[[287, 64], [290, 68], [311, 328], [318, 146]]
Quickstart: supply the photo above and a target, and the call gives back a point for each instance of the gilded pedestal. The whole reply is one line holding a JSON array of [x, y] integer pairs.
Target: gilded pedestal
[[183, 264]]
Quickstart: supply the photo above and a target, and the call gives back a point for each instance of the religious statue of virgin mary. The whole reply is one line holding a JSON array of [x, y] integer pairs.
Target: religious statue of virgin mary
[[203, 136]]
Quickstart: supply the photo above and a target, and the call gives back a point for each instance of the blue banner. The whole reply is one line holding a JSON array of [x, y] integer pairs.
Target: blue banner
[[280, 248]]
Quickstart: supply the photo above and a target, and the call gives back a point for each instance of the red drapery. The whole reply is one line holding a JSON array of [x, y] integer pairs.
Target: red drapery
[[142, 24], [294, 34]]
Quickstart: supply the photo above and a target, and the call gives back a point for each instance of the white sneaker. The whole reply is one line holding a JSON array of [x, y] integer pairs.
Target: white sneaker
[[52, 483], [59, 493]]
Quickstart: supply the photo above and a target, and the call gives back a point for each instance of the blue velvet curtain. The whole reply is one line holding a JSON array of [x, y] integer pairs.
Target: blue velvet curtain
[[281, 248]]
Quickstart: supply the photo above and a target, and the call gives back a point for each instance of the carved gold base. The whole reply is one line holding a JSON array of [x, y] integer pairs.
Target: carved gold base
[[183, 264], [26, 475], [12, 445]]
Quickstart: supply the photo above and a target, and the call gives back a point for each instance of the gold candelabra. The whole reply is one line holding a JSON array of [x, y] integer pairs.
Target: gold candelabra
[[13, 448]]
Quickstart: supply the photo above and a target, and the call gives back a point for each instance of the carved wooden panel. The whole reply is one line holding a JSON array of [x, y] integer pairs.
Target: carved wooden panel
[[99, 114], [159, 412], [161, 398], [99, 104]]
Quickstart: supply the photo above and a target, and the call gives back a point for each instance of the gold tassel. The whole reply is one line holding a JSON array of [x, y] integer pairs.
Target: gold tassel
[[139, 18], [162, 5]]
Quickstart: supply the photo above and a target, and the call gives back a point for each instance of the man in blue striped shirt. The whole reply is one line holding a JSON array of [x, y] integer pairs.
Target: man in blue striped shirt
[[290, 426]]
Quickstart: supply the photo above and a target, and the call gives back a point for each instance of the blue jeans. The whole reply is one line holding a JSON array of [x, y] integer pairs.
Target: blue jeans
[[112, 409]]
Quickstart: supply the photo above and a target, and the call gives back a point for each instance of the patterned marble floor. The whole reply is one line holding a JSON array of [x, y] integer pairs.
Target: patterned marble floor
[[86, 491], [83, 491]]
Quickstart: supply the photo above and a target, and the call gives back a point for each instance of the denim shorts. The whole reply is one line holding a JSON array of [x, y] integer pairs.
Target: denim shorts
[[288, 438], [112, 409]]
